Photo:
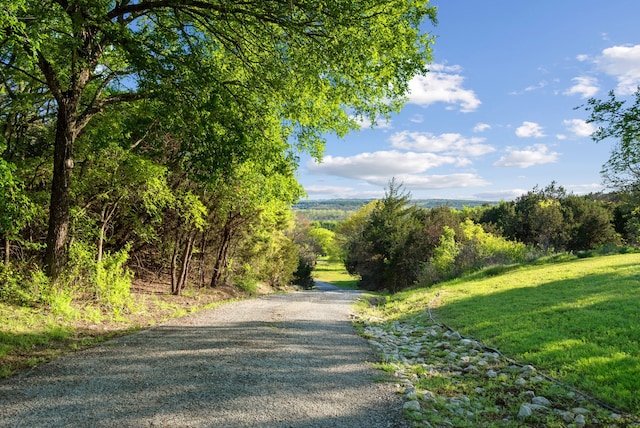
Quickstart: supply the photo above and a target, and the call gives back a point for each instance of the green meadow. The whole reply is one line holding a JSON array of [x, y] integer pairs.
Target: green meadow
[[578, 321]]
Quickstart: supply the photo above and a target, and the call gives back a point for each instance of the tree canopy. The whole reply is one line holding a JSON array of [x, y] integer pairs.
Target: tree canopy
[[223, 82]]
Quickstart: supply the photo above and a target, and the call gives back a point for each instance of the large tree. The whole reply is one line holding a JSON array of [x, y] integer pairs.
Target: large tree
[[311, 65], [619, 122]]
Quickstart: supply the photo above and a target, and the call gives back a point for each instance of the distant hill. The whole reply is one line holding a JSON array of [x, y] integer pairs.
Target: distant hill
[[339, 209]]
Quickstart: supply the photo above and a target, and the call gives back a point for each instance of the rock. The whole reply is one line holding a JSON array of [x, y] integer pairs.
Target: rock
[[528, 370], [491, 374], [580, 421], [541, 401], [520, 381], [411, 406], [568, 417], [580, 411], [525, 412]]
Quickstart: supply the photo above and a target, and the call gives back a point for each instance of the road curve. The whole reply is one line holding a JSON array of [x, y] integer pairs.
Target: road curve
[[285, 360]]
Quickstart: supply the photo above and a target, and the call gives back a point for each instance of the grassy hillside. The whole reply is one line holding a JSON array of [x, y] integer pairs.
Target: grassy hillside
[[577, 321]]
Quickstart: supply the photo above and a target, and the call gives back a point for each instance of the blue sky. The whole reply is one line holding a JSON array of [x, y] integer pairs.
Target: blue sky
[[495, 116]]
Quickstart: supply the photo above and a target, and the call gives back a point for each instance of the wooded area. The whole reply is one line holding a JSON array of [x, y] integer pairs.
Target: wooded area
[[162, 137]]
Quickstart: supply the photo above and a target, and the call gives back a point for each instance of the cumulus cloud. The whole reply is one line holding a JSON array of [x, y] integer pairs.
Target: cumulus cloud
[[383, 163], [579, 127], [623, 63], [442, 84], [449, 143], [584, 86], [481, 127], [537, 154], [529, 130], [378, 168]]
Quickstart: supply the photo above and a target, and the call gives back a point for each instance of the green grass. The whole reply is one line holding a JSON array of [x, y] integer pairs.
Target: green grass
[[334, 273], [575, 320]]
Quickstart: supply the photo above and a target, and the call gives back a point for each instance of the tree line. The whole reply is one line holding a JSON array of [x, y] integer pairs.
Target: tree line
[[393, 244]]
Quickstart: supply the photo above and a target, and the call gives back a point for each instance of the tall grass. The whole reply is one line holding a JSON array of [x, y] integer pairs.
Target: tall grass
[[575, 320]]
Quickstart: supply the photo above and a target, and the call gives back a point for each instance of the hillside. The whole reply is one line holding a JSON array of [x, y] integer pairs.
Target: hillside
[[573, 320]]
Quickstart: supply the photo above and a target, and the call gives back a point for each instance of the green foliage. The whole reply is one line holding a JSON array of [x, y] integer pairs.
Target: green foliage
[[445, 255], [619, 122], [382, 247], [106, 282], [113, 282], [15, 207]]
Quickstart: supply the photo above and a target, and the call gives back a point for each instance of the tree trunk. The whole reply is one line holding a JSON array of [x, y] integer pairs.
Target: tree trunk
[[221, 260], [56, 251], [186, 261], [7, 251], [175, 288]]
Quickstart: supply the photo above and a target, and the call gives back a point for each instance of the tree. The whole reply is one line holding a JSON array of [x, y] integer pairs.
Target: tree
[[388, 258], [622, 123], [311, 66]]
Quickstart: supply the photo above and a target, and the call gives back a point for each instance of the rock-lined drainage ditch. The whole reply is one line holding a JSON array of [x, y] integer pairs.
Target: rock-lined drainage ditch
[[451, 381]]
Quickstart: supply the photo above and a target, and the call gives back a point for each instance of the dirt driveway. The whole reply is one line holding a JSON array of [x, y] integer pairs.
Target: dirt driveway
[[287, 360]]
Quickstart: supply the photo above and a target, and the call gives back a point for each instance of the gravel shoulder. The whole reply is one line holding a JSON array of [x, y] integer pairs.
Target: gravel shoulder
[[285, 360]]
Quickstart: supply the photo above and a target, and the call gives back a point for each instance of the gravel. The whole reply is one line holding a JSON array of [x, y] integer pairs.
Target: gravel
[[285, 360]]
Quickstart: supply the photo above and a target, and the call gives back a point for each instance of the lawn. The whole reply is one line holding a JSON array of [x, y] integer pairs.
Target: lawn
[[333, 272], [577, 321]]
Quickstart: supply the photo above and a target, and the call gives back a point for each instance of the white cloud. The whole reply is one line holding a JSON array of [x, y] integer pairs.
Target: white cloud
[[481, 127], [378, 168], [449, 143], [500, 195], [581, 189], [379, 164], [442, 84], [534, 155], [430, 182], [416, 118], [579, 127], [623, 63], [529, 130], [585, 86]]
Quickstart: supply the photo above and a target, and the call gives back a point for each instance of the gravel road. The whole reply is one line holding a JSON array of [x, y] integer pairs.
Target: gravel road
[[286, 360]]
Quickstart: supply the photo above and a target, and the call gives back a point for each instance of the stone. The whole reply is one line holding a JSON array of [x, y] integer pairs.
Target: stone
[[520, 381], [491, 374], [525, 412], [580, 411], [580, 421], [541, 401], [528, 370], [568, 417], [411, 406]]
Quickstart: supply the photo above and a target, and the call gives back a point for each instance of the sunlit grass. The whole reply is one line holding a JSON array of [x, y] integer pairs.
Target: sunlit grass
[[333, 272], [576, 320]]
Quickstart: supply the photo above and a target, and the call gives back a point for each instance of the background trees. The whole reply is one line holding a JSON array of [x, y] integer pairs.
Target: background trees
[[392, 244]]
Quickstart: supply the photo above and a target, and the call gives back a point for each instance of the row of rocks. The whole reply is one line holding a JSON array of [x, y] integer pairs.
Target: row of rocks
[[449, 380]]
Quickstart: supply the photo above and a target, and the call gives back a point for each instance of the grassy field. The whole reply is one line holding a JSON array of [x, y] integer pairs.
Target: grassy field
[[577, 321], [334, 273]]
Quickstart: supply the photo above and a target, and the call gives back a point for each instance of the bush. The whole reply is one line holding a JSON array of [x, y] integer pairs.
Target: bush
[[107, 282]]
